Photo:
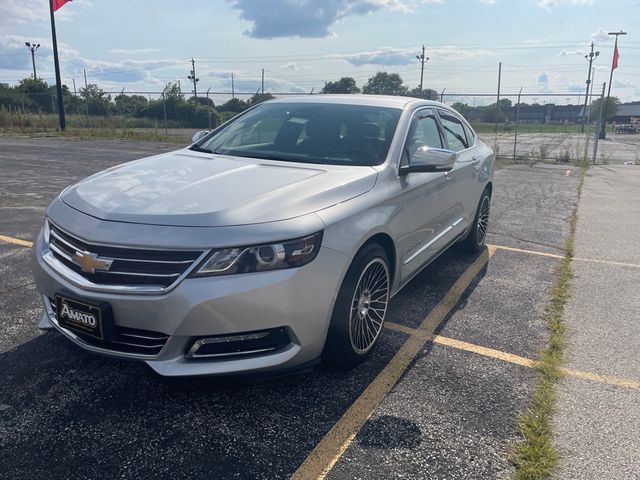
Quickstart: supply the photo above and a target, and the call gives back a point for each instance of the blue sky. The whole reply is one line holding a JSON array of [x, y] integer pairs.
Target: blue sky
[[141, 45]]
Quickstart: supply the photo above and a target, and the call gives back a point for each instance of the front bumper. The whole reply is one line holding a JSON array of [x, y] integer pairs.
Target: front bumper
[[300, 300]]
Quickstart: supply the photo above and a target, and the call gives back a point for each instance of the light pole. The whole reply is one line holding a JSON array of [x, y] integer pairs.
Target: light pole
[[614, 65], [589, 59], [193, 78], [422, 59], [33, 47]]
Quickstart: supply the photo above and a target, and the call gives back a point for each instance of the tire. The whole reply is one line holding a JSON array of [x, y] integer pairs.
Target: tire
[[475, 240], [360, 309]]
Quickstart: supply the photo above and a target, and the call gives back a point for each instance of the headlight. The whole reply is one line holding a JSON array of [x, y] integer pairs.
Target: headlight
[[45, 231], [259, 258]]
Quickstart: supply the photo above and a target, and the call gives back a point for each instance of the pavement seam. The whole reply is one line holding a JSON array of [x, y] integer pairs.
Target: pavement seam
[[560, 257], [627, 383], [336, 441]]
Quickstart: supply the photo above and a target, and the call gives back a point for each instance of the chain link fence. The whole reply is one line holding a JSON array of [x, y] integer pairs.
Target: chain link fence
[[519, 132]]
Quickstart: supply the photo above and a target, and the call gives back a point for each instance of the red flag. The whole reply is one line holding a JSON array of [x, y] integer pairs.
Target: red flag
[[616, 56], [56, 4]]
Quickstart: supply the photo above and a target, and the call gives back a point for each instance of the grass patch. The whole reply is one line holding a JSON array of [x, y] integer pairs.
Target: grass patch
[[535, 457], [105, 133]]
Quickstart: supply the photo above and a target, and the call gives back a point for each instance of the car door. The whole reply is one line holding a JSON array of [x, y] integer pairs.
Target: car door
[[425, 204], [464, 173]]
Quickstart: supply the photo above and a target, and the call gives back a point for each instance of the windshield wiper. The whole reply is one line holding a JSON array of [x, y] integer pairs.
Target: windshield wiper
[[197, 148]]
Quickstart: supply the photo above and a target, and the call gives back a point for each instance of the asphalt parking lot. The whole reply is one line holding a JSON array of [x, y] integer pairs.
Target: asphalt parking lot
[[439, 398]]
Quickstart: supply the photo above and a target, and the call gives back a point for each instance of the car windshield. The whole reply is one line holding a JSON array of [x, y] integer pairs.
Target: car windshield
[[310, 133]]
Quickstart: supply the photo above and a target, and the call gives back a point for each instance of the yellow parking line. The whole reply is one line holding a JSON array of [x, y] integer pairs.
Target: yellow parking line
[[530, 252], [324, 456], [525, 362], [17, 241], [553, 255]]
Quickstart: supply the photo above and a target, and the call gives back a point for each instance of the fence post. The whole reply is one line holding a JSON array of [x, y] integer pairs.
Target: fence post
[[124, 111], [164, 107], [597, 134], [515, 138]]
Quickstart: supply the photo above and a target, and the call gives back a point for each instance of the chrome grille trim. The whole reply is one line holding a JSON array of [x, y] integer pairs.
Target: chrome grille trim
[[133, 270]]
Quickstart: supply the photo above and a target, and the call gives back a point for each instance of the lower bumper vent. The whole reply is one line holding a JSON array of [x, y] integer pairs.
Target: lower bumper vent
[[126, 340]]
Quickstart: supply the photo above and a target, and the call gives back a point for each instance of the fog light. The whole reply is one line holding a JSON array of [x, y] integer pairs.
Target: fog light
[[250, 343]]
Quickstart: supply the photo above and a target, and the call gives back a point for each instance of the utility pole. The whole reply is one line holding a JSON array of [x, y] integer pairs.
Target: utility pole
[[74, 87], [422, 59], [589, 59], [263, 81], [442, 95], [85, 80], [194, 79], [233, 90], [614, 65], [593, 82], [33, 47]]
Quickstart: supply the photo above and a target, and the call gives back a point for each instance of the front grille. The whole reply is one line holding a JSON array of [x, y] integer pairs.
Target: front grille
[[126, 340], [130, 266]]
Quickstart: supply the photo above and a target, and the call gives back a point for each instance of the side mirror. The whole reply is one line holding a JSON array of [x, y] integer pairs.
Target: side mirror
[[198, 135], [427, 159]]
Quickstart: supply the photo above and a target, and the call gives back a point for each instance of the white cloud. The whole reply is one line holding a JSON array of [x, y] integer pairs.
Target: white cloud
[[294, 66], [19, 12], [601, 36], [569, 53], [551, 4], [134, 51], [624, 83], [399, 56]]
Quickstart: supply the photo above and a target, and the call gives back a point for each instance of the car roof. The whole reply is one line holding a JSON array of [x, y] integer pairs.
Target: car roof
[[358, 99]]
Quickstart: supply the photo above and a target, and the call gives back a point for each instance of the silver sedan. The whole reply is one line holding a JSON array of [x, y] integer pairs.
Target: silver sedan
[[272, 242]]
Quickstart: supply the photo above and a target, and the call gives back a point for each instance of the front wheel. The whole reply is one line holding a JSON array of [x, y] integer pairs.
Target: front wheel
[[477, 236], [360, 309]]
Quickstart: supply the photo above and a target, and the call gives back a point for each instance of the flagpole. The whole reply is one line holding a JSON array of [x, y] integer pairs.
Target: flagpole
[[603, 131], [57, 67]]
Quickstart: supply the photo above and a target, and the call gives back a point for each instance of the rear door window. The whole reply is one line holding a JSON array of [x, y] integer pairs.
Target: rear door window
[[453, 131]]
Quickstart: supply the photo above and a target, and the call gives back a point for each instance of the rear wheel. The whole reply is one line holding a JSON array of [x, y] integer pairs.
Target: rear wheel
[[477, 236], [360, 309]]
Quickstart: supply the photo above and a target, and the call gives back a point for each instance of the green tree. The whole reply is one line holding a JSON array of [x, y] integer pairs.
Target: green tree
[[426, 93], [97, 101], [611, 109], [383, 83], [259, 98], [202, 101], [491, 114], [462, 108], [344, 85], [131, 105], [235, 105], [505, 103], [36, 94]]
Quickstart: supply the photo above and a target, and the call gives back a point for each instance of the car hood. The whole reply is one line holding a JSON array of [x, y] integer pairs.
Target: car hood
[[186, 188]]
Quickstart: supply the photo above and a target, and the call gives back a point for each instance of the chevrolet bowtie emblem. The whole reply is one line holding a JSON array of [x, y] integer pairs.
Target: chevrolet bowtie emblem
[[90, 262]]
